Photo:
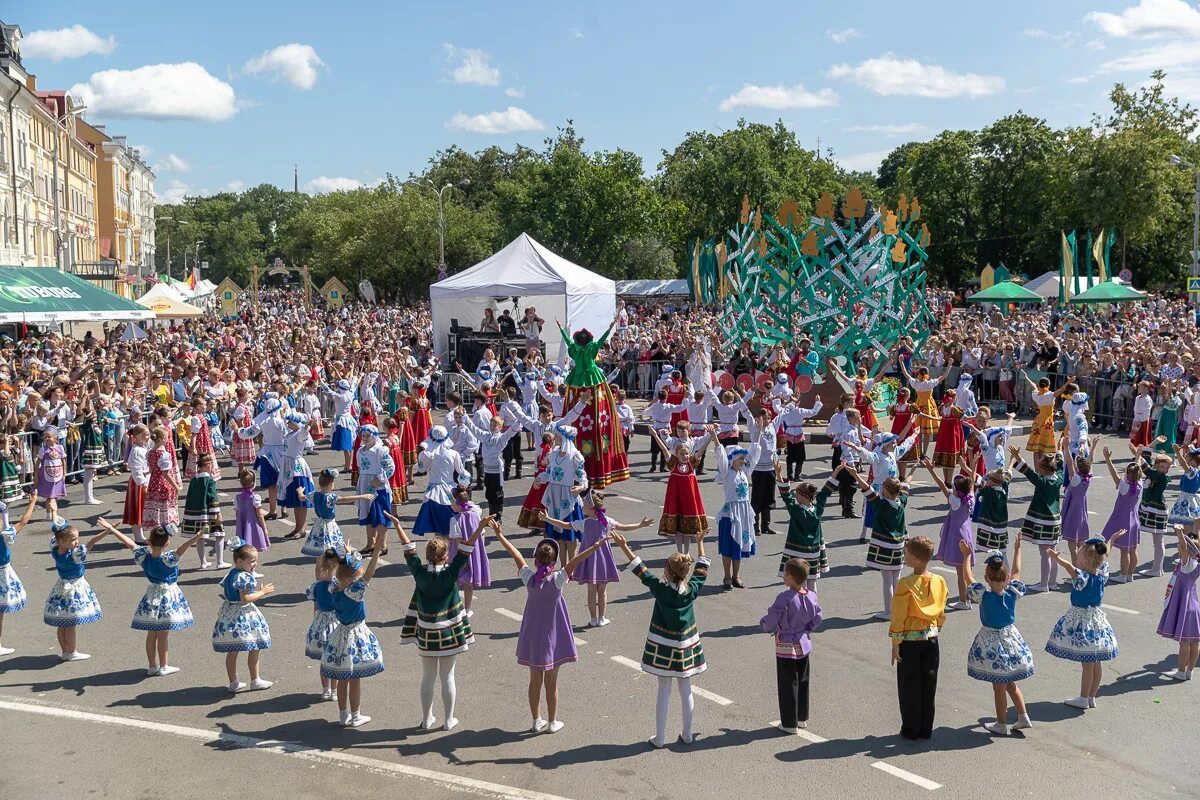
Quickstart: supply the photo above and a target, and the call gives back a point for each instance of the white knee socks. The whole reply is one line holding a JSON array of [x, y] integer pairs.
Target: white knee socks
[[1160, 554], [890, 579], [138, 535], [663, 705], [683, 543], [433, 668], [1049, 568], [89, 479]]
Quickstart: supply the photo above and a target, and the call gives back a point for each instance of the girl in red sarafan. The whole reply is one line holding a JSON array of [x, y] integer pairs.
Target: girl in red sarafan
[[949, 444], [683, 509], [532, 508], [393, 438]]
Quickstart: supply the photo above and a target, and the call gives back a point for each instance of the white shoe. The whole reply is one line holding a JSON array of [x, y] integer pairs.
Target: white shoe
[[344, 718], [886, 616], [357, 720], [959, 605], [451, 724], [76, 656], [166, 669], [802, 724], [539, 725], [205, 565], [792, 731], [1091, 702], [603, 621], [222, 564], [151, 672], [427, 725], [1119, 578], [1078, 702], [1034, 588], [1022, 723], [687, 738], [327, 694], [997, 728], [593, 623], [470, 613], [93, 502], [1150, 573], [656, 744], [6, 651], [260, 683], [556, 726], [237, 686]]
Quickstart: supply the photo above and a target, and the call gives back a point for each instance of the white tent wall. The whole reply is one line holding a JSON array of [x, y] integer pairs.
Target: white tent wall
[[589, 310]]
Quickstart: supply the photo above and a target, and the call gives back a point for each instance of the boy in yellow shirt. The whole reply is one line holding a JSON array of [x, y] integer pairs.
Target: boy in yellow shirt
[[918, 613]]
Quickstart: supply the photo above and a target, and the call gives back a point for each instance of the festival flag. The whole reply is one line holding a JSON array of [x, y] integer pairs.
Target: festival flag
[[192, 281], [1098, 254], [1066, 269]]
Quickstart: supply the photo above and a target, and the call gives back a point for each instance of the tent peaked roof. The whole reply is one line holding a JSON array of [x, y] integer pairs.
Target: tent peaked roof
[[1005, 292], [524, 266], [1108, 292]]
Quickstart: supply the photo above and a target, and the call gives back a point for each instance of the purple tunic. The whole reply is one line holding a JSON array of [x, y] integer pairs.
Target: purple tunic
[[955, 529], [1075, 526], [1125, 515], [246, 520], [1181, 618], [546, 640], [599, 567], [477, 572]]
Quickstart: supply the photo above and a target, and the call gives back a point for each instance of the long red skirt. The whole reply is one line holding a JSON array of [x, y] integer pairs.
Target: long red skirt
[[949, 443], [599, 437], [135, 504], [683, 508]]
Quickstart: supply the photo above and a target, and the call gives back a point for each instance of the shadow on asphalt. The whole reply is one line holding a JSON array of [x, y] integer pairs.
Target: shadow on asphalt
[[944, 739], [186, 696]]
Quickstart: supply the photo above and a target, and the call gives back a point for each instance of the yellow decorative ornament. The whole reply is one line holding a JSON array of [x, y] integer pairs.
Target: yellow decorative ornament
[[809, 246], [762, 247], [902, 207], [787, 212], [758, 218], [825, 206], [923, 238], [898, 251], [891, 223], [745, 218], [854, 205], [915, 209]]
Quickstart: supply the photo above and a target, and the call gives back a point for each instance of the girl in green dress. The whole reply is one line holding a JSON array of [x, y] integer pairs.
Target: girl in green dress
[[673, 651], [888, 532], [805, 505], [1043, 520]]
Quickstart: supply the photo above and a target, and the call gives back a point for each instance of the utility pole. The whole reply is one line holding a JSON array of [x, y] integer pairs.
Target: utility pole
[[295, 178]]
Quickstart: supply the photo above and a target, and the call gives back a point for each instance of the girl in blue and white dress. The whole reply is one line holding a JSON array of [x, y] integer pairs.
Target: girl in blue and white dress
[[71, 602], [298, 476], [1083, 634], [324, 620], [999, 655], [344, 424], [565, 478], [240, 626], [163, 608], [446, 471], [352, 652], [12, 593], [325, 534], [735, 520], [375, 468], [1186, 509]]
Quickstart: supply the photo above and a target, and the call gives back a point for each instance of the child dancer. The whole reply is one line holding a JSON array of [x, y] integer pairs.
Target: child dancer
[[240, 626], [392, 438], [12, 593], [1043, 524], [50, 466], [299, 487], [991, 523], [1180, 619], [902, 413], [1186, 509], [71, 602], [789, 421], [794, 615], [375, 468], [436, 620], [949, 444], [1125, 516], [492, 443], [888, 534], [242, 449], [1140, 430], [531, 509], [202, 443], [325, 534], [324, 618], [344, 424], [10, 476], [446, 470], [352, 651], [546, 640], [763, 469], [805, 505], [736, 526], [999, 654], [202, 512], [598, 569], [683, 509], [956, 528], [1076, 527], [477, 573], [250, 526], [92, 456], [660, 414], [1041, 435], [925, 405], [162, 491], [1152, 514], [673, 651], [139, 478], [163, 607], [839, 430], [1083, 634], [918, 615]]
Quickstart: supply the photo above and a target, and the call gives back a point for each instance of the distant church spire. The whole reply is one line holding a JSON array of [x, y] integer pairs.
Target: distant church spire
[[296, 178]]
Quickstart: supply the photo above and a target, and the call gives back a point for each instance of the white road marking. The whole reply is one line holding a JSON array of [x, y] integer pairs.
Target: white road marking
[[696, 690], [1119, 609], [803, 733], [628, 499], [905, 775], [504, 612], [456, 782], [940, 568]]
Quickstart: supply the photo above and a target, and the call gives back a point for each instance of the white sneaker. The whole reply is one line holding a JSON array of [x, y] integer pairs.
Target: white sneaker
[[1150, 573], [539, 725], [1022, 723], [260, 683], [886, 616], [470, 613], [223, 564], [593, 623], [76, 656], [792, 731], [6, 651], [166, 669], [997, 728], [357, 720], [604, 621], [1078, 702], [93, 502], [1091, 702], [151, 672], [687, 738], [237, 686], [327, 694], [205, 565], [656, 744], [451, 723], [959, 605], [427, 725], [802, 724], [1120, 577], [344, 718], [556, 726]]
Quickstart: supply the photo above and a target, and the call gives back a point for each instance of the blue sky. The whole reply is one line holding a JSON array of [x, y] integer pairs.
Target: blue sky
[[226, 95]]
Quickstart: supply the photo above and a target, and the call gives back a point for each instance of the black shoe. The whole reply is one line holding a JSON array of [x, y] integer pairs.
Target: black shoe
[[737, 583], [849, 515], [507, 478], [518, 475]]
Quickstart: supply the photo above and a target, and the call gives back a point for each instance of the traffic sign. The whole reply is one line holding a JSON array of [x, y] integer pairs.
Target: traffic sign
[[1195, 255], [1193, 284], [1125, 275]]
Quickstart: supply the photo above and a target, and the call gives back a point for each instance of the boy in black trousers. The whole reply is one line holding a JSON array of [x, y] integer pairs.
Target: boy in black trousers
[[918, 614]]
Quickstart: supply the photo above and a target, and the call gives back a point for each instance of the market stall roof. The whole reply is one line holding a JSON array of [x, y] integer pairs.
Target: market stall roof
[[653, 288], [1047, 284], [1109, 292], [164, 303], [1005, 292], [45, 295]]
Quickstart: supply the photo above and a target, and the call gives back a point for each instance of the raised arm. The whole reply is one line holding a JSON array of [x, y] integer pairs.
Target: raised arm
[[21, 523], [631, 526], [623, 543], [1112, 469], [371, 565], [1015, 572], [561, 524], [928, 465], [658, 441], [120, 537], [511, 548], [400, 534]]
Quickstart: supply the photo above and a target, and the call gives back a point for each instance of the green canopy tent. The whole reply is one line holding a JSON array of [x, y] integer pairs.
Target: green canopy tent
[[48, 296], [1109, 292], [1004, 293]]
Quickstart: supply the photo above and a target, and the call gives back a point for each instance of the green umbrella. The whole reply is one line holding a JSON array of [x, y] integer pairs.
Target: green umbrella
[[1109, 292], [1005, 292]]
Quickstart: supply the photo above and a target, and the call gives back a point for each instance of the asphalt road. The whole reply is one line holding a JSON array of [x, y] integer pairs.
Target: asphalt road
[[128, 736]]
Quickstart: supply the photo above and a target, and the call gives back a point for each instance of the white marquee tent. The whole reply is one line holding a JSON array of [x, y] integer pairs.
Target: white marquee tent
[[1047, 283], [537, 276]]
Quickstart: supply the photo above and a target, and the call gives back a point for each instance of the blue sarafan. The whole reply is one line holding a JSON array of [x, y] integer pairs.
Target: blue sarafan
[[851, 277]]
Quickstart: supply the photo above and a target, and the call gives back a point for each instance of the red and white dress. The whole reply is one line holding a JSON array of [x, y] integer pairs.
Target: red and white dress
[[398, 481], [862, 401], [422, 418], [901, 414], [675, 396], [162, 498], [243, 452], [135, 490], [949, 444], [201, 443], [683, 508], [533, 499], [408, 441]]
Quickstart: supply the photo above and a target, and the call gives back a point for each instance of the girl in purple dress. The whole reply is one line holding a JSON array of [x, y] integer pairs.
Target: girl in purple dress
[[1125, 516], [1075, 526], [599, 570], [50, 466], [249, 521], [477, 572], [1181, 611], [546, 641], [957, 526]]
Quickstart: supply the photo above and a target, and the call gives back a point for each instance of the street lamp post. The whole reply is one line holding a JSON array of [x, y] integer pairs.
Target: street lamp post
[[58, 237], [442, 222], [177, 222], [1180, 162]]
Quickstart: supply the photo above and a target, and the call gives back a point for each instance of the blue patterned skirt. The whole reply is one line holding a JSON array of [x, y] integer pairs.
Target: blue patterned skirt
[[1000, 655], [163, 608], [12, 593], [322, 627], [1083, 635], [352, 652], [71, 603], [323, 535], [240, 628]]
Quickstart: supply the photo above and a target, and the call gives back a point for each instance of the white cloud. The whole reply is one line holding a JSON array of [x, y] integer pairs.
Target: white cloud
[[576, 33], [1167, 56], [1095, 44], [844, 35], [234, 186], [1078, 79], [1149, 19], [144, 149], [1038, 33], [888, 75], [72, 42], [174, 192], [172, 163], [864, 162], [158, 91], [510, 120], [513, 91], [296, 64], [473, 66], [324, 184], [778, 97], [894, 130]]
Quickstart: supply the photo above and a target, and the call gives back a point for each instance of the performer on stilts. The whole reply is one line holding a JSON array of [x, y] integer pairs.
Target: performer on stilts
[[599, 437]]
